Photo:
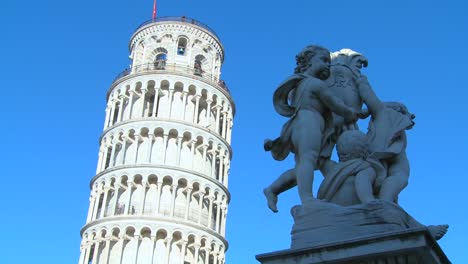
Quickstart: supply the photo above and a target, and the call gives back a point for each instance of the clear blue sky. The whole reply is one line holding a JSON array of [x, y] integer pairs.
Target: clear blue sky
[[59, 58]]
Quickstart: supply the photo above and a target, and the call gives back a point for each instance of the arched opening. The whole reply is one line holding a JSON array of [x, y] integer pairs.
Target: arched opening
[[181, 46], [198, 65], [160, 59]]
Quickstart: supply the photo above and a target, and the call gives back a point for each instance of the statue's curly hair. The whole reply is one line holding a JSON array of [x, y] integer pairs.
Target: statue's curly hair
[[303, 57], [352, 144]]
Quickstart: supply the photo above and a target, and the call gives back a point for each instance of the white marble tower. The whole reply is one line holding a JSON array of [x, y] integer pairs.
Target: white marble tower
[[160, 193]]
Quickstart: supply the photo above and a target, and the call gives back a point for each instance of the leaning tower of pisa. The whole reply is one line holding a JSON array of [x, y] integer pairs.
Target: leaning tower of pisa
[[160, 193]]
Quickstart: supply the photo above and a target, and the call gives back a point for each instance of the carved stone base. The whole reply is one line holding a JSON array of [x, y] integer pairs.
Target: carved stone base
[[321, 223], [411, 246]]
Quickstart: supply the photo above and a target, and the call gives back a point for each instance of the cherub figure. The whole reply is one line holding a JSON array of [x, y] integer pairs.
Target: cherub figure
[[386, 137], [345, 70], [310, 116], [387, 126], [354, 161]]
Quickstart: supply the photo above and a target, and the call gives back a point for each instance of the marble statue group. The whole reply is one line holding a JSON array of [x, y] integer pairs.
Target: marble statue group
[[323, 100]]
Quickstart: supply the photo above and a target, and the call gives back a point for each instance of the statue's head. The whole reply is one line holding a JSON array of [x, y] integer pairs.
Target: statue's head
[[314, 60], [352, 144], [350, 59]]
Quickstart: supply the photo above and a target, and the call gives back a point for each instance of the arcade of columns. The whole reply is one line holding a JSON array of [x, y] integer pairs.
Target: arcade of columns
[[160, 191]]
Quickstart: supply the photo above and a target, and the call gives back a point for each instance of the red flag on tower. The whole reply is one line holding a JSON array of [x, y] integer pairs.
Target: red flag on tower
[[154, 9]]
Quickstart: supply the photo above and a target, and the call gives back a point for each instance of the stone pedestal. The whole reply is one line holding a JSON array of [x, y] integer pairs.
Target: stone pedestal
[[411, 246]]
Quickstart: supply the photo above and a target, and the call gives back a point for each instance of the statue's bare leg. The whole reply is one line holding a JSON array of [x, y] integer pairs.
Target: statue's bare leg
[[285, 181], [307, 140], [363, 184], [397, 179]]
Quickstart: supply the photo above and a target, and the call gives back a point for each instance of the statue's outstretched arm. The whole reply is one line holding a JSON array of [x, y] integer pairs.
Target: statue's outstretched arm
[[368, 96], [337, 105]]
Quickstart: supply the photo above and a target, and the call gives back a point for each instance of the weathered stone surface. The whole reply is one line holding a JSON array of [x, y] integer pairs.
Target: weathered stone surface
[[321, 222], [412, 246]]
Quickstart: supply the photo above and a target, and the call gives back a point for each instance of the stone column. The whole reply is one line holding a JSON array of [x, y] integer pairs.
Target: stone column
[[122, 237], [174, 193], [116, 195], [137, 238], [96, 202], [218, 112], [218, 216], [210, 211], [143, 196], [226, 176], [195, 111], [119, 114], [130, 104], [150, 147], [104, 160], [143, 101], [165, 138], [153, 244], [192, 148], [179, 150], [87, 252], [225, 171], [221, 167], [156, 101], [104, 201], [106, 120], [123, 146], [100, 157], [205, 147], [96, 250], [92, 198], [184, 103], [168, 249], [129, 196], [82, 254], [223, 226], [207, 255], [200, 206], [112, 157], [112, 112], [229, 130], [213, 163], [171, 95], [208, 112], [137, 142], [189, 198], [183, 248], [197, 252], [106, 250], [159, 185], [223, 130]]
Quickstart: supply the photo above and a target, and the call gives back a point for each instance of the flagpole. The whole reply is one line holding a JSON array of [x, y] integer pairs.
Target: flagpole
[[154, 10]]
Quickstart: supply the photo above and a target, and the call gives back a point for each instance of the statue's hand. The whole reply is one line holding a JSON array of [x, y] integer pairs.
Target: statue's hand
[[363, 114], [350, 116]]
